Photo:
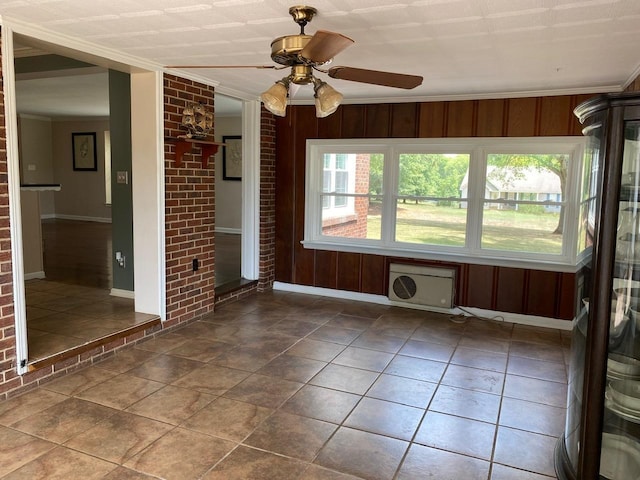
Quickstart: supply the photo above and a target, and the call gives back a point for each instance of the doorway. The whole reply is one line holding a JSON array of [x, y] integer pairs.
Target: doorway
[[71, 298], [228, 191]]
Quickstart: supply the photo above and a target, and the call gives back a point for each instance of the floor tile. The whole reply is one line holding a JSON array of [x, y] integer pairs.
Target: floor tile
[[363, 358], [63, 464], [426, 462], [75, 383], [385, 418], [316, 472], [316, 350], [244, 358], [181, 454], [28, 404], [291, 435], [229, 419], [334, 334], [539, 418], [470, 357], [346, 379], [466, 403], [543, 370], [17, 449], [171, 404], [352, 322], [362, 454], [500, 472], [534, 390], [377, 341], [246, 463], [440, 332], [162, 343], [525, 450], [295, 328], [125, 360], [292, 368], [321, 403], [416, 368], [165, 368], [473, 379], [119, 437], [403, 390], [549, 353], [262, 390], [427, 350], [212, 379], [123, 473], [200, 350], [485, 344], [457, 434], [64, 420], [120, 391]]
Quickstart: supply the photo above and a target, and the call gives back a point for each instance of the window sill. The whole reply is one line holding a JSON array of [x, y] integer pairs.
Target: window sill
[[562, 265]]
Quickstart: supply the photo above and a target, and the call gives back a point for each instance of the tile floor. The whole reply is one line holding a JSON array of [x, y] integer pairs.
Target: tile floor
[[61, 316], [289, 386]]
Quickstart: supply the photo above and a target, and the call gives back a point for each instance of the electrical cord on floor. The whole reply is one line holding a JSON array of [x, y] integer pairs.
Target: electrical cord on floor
[[464, 318]]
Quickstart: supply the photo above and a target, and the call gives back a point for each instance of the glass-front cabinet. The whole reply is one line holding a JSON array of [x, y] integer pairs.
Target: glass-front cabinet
[[602, 432]]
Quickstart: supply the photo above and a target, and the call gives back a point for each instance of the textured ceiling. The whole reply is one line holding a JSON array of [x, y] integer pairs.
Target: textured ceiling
[[463, 48]]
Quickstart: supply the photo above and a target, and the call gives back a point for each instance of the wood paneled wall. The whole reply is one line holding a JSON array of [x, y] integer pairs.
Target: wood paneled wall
[[515, 290]]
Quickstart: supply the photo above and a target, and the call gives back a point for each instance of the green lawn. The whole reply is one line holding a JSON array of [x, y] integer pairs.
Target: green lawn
[[503, 229]]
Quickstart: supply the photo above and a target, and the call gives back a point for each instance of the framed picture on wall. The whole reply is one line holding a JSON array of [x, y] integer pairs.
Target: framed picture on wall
[[232, 157], [85, 156]]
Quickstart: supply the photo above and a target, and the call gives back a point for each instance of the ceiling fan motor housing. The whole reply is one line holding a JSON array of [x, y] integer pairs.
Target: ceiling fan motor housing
[[285, 50]]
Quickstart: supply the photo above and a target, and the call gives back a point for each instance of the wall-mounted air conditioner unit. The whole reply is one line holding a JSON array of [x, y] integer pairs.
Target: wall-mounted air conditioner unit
[[423, 286]]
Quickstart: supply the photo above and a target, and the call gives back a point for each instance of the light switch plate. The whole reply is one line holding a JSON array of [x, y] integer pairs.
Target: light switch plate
[[122, 177]]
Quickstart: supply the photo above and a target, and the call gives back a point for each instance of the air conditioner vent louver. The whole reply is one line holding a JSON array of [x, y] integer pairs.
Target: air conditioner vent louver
[[404, 287], [431, 287]]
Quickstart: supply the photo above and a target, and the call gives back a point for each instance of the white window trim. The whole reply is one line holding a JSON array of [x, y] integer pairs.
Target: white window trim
[[477, 148]]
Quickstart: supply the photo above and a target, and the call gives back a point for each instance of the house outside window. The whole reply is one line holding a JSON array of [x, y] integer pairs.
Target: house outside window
[[476, 199]]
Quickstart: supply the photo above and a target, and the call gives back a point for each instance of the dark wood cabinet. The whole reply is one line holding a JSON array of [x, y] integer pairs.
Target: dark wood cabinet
[[602, 432]]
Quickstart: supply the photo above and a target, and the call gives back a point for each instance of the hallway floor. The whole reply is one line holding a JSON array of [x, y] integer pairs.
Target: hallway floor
[[289, 386]]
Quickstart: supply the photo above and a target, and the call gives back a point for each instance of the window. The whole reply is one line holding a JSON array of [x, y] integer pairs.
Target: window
[[507, 199]]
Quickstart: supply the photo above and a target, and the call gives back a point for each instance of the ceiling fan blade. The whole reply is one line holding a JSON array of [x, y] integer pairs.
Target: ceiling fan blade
[[325, 45], [220, 66], [375, 77]]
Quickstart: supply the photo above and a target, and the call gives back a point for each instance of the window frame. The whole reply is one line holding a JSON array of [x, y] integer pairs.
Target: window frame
[[478, 149]]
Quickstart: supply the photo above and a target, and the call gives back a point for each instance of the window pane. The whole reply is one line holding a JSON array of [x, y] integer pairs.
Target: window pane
[[526, 176], [521, 227], [433, 175], [352, 216], [436, 220]]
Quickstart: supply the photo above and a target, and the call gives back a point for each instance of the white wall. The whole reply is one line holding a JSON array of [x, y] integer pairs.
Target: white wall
[[228, 192], [36, 157], [82, 193]]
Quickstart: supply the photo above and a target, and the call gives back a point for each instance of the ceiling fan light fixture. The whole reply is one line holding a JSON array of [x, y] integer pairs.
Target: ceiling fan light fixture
[[275, 98], [327, 99]]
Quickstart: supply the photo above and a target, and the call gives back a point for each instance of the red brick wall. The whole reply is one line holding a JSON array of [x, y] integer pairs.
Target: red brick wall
[[267, 199], [8, 377], [189, 209]]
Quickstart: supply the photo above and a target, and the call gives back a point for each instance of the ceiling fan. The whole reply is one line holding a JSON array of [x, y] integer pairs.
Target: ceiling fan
[[305, 53]]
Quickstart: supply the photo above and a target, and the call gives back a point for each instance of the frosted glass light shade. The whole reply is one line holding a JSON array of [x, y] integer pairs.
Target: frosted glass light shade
[[327, 100], [275, 99]]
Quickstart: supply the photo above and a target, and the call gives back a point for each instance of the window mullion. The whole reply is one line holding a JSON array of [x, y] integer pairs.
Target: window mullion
[[475, 201], [389, 195]]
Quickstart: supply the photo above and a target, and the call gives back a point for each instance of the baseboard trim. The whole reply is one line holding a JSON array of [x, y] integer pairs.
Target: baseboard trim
[[118, 292], [530, 320], [81, 218], [232, 231], [34, 275]]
